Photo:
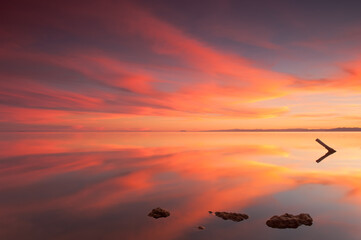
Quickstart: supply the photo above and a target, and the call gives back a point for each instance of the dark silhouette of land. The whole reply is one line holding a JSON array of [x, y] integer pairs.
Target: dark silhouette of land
[[341, 129]]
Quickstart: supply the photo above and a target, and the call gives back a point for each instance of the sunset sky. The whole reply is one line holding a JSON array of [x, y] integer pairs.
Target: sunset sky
[[172, 65]]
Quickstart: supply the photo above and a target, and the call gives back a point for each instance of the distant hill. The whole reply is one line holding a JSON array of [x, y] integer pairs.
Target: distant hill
[[341, 129]]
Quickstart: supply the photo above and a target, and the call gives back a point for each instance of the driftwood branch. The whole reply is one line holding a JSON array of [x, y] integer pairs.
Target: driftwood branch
[[325, 146], [329, 150], [324, 156]]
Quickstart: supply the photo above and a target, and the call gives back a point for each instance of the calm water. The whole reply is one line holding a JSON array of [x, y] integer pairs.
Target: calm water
[[103, 185]]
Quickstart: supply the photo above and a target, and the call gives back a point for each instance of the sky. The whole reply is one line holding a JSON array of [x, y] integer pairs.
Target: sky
[[174, 65]]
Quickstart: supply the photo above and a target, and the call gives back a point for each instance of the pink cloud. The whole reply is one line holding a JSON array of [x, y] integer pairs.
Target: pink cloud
[[206, 82]]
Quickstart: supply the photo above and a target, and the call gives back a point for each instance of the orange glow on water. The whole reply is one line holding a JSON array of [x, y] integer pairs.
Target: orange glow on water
[[188, 173]]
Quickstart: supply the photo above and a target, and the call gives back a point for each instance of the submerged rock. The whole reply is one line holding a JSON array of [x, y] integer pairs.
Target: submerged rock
[[201, 227], [290, 221], [159, 213], [236, 217]]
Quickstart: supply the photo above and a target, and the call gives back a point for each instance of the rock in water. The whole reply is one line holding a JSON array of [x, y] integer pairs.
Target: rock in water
[[236, 217], [159, 213], [201, 227], [290, 221]]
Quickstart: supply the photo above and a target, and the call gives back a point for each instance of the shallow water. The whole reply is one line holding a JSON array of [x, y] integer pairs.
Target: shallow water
[[103, 185]]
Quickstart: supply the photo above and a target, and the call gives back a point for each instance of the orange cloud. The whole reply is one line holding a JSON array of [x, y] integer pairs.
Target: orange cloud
[[189, 78]]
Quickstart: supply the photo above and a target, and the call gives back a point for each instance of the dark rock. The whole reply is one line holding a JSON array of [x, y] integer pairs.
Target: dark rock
[[236, 217], [290, 221], [159, 213], [210, 212], [201, 227]]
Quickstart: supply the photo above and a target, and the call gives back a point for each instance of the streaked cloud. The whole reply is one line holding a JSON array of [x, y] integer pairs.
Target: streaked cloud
[[109, 62]]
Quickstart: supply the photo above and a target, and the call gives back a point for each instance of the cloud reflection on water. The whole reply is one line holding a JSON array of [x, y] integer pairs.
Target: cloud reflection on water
[[109, 193]]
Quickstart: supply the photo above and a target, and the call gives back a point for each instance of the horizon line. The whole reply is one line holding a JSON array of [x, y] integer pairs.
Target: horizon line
[[339, 129]]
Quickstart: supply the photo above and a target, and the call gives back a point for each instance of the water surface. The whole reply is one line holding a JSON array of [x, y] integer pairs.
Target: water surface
[[103, 185]]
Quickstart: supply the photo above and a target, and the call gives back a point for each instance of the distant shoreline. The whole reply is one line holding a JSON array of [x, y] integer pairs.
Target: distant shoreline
[[190, 131], [289, 130]]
